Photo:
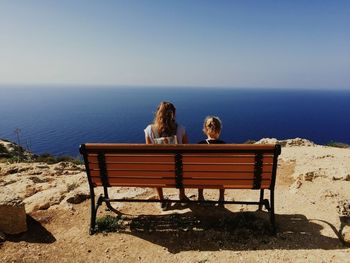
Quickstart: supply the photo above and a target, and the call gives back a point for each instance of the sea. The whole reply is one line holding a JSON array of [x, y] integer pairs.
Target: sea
[[57, 119]]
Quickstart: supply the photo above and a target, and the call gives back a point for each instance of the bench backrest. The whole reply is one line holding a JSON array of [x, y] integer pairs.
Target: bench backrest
[[229, 166]]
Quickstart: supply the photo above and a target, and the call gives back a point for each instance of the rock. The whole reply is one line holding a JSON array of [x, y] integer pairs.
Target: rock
[[343, 208], [286, 143], [12, 213], [337, 177], [346, 234], [298, 142], [295, 186], [44, 199], [267, 141], [309, 176], [78, 197], [13, 150], [12, 170], [42, 166], [329, 194]]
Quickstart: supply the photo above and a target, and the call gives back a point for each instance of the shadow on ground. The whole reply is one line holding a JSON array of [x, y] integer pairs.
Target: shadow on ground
[[36, 233], [214, 228]]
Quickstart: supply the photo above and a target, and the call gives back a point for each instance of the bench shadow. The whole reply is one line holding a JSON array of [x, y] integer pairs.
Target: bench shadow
[[36, 233], [213, 228]]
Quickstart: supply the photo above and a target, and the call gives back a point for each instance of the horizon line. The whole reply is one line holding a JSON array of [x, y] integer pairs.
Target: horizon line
[[84, 85]]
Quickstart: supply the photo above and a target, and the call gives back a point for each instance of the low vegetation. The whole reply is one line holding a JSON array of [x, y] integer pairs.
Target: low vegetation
[[50, 159], [3, 149], [250, 142], [109, 223], [337, 144], [18, 154]]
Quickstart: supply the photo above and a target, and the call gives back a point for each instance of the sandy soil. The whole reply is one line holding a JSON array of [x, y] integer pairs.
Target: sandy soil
[[306, 214]]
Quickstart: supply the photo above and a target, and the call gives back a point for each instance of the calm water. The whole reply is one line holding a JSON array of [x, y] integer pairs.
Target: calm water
[[57, 119]]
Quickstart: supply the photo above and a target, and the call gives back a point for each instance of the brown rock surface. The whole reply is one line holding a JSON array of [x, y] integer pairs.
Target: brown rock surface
[[12, 213]]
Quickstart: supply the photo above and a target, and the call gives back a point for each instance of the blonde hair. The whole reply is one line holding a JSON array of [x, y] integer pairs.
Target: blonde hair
[[164, 119], [212, 126]]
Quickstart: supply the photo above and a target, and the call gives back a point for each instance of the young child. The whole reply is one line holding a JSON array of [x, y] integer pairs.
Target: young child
[[212, 128]]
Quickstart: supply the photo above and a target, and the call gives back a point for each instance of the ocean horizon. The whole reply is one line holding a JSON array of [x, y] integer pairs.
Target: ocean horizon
[[57, 119]]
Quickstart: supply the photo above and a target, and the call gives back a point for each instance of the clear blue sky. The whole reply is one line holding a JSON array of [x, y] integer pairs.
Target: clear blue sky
[[176, 43]]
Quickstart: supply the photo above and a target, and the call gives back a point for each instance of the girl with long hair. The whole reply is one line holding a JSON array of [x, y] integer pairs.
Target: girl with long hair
[[165, 130]]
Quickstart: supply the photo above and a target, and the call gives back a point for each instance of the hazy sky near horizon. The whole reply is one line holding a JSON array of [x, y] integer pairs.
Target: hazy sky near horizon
[[259, 43]]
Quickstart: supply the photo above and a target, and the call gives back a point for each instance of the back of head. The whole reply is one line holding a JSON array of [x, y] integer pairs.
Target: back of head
[[164, 119], [212, 126]]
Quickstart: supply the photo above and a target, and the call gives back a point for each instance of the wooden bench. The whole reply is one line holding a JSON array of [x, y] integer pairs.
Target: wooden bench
[[227, 166]]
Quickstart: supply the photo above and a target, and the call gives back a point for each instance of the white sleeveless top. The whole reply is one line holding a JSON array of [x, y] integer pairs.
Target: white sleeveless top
[[180, 132]]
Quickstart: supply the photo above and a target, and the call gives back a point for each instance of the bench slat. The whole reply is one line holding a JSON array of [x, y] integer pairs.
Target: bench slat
[[189, 181], [195, 158], [224, 175], [224, 167], [170, 174], [200, 148], [141, 182], [124, 158], [238, 159], [135, 166], [264, 185], [145, 174]]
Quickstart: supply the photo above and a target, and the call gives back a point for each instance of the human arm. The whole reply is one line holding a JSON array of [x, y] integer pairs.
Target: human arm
[[148, 134], [148, 140]]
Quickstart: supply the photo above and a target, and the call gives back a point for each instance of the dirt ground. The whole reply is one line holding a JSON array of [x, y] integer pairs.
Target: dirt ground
[[307, 225]]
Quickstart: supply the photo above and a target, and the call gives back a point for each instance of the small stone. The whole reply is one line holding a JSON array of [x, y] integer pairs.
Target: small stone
[[343, 208], [337, 177], [78, 198], [43, 166], [309, 176], [107, 250], [329, 194], [295, 186], [12, 170]]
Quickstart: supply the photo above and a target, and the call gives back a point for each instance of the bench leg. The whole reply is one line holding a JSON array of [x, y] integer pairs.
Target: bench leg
[[272, 212], [92, 211], [94, 208], [261, 199]]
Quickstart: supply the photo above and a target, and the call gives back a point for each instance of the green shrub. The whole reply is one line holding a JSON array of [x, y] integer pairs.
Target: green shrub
[[45, 158], [250, 142], [337, 144], [50, 159], [3, 149], [108, 223], [70, 159]]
